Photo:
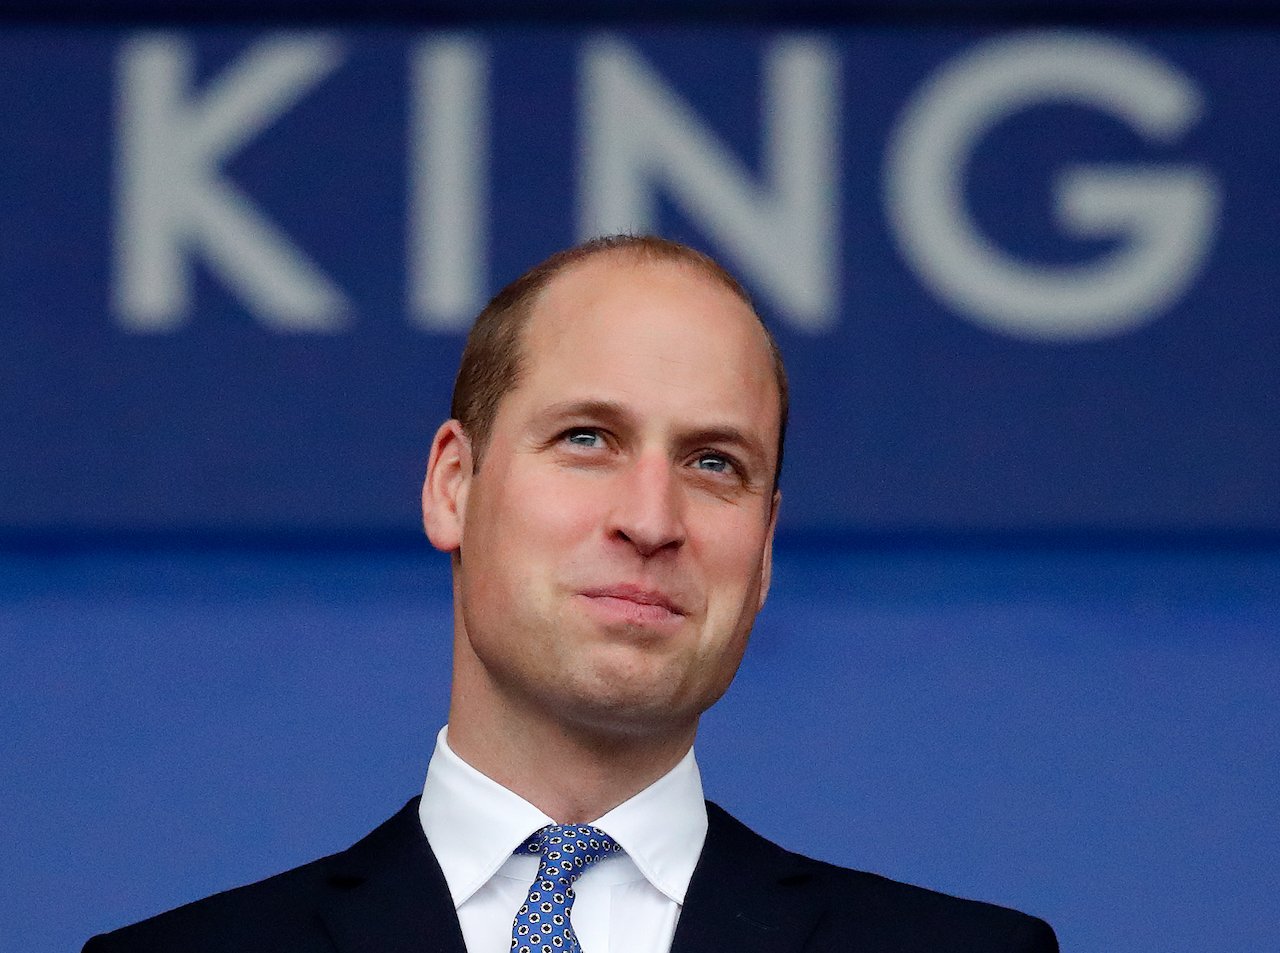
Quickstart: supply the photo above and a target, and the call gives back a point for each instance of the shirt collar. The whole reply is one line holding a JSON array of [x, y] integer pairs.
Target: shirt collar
[[663, 827], [474, 824]]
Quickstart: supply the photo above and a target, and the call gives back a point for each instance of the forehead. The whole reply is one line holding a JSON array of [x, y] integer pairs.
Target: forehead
[[616, 325]]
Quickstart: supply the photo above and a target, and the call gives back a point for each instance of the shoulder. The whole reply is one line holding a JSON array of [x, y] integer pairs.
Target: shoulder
[[854, 909], [272, 913], [893, 915], [283, 912]]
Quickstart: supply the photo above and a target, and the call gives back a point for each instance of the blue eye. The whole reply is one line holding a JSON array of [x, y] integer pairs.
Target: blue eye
[[582, 437], [714, 462]]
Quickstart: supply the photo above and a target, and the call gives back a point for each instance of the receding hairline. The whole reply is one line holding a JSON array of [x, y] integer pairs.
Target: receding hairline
[[687, 260], [637, 258], [680, 256], [515, 306]]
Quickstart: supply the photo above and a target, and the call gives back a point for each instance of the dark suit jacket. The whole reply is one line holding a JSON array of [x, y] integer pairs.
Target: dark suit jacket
[[387, 895]]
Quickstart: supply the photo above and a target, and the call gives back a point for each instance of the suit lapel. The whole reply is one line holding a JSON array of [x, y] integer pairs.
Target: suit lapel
[[388, 895], [747, 895]]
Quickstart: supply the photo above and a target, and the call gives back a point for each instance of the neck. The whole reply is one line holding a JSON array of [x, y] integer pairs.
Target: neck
[[572, 773], [601, 780]]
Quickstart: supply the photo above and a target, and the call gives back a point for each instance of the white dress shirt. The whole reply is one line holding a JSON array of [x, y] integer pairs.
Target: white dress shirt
[[626, 903]]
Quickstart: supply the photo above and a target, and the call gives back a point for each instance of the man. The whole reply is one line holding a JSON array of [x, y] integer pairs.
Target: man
[[607, 490]]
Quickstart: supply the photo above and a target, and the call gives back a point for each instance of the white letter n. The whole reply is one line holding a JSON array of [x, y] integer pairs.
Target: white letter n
[[782, 234], [171, 198]]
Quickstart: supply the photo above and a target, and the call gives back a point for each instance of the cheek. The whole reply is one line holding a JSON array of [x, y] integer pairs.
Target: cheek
[[540, 520], [561, 505], [732, 574], [732, 553]]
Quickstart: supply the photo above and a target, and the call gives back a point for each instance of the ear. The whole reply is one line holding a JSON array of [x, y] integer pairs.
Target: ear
[[766, 562], [444, 492]]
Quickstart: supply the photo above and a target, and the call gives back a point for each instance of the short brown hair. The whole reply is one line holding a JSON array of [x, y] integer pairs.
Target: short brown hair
[[493, 359]]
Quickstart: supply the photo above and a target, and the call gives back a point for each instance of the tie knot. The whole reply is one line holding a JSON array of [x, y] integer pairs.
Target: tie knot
[[568, 849]]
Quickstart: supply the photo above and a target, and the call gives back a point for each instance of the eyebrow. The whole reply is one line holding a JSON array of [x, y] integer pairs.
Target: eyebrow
[[606, 410], [614, 413]]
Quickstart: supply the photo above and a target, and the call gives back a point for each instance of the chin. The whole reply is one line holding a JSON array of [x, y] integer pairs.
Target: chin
[[630, 711], [627, 727]]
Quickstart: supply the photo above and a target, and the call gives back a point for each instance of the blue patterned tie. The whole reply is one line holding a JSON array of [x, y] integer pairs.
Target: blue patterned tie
[[542, 924]]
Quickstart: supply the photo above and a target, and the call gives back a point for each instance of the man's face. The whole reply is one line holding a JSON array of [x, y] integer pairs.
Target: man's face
[[615, 538]]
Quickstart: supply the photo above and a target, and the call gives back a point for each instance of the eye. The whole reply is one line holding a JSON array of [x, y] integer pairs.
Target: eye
[[583, 437], [715, 463]]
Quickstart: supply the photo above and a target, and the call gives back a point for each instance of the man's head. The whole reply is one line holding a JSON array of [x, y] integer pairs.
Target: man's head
[[493, 358], [613, 548]]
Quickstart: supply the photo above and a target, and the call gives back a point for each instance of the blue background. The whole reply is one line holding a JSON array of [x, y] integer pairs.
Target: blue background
[[914, 417], [1022, 638]]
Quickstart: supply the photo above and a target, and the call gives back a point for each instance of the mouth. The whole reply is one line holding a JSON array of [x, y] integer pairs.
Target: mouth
[[633, 605]]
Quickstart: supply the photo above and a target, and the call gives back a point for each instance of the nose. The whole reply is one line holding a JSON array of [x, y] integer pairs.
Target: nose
[[648, 510]]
